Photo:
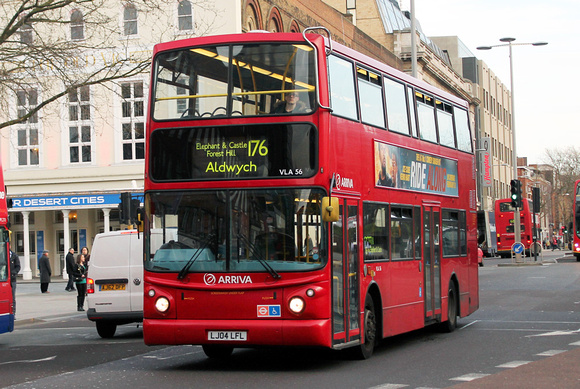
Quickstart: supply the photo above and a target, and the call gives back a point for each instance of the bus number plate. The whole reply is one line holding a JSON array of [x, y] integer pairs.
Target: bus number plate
[[228, 335], [105, 287]]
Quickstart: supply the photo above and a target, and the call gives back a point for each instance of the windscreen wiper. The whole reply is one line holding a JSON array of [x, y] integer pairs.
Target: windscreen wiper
[[256, 254], [194, 257]]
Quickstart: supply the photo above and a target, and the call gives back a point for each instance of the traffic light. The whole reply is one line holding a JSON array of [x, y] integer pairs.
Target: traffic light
[[516, 193], [125, 208], [135, 204]]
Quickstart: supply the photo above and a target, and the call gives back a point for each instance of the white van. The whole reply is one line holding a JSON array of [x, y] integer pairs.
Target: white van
[[115, 279]]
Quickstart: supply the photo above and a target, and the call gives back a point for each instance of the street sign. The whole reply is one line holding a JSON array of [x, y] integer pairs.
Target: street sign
[[518, 248]]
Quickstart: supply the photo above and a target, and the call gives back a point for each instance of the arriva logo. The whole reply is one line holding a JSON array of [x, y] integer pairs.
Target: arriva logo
[[211, 279]]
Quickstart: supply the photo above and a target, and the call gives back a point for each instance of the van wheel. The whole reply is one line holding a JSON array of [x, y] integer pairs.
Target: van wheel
[[106, 329], [217, 351]]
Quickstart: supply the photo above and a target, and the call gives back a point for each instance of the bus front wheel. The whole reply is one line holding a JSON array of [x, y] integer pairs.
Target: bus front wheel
[[365, 350]]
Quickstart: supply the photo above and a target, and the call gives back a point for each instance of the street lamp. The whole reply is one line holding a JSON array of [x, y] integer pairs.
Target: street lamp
[[509, 43]]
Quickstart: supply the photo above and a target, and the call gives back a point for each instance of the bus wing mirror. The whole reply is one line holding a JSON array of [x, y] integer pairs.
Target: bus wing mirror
[[330, 209], [140, 218]]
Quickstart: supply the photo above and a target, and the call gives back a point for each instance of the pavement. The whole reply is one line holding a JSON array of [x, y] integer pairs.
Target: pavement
[[558, 371], [34, 306]]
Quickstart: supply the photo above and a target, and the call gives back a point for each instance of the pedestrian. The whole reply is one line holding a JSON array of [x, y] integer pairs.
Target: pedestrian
[[45, 271], [14, 269], [70, 265], [80, 277], [85, 252]]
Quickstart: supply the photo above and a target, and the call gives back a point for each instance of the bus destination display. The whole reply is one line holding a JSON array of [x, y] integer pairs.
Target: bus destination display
[[235, 152]]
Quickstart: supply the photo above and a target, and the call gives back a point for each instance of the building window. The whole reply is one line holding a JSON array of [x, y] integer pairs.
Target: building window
[[73, 242], [31, 243], [113, 216], [27, 131], [133, 120], [25, 33], [17, 218], [185, 16], [77, 25], [129, 20], [79, 125]]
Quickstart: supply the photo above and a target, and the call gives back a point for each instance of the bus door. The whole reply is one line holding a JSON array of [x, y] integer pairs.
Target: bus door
[[345, 275], [432, 261]]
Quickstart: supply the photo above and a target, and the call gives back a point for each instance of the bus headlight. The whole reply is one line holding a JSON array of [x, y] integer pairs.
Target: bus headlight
[[296, 304], [162, 304]]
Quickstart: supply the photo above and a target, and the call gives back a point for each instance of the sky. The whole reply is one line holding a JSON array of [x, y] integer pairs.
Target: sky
[[546, 78]]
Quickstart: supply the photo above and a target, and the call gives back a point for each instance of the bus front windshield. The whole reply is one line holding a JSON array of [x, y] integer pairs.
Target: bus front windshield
[[234, 80], [236, 231]]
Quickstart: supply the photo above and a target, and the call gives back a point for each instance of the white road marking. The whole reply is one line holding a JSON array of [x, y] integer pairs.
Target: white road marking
[[30, 360], [555, 333], [551, 353], [469, 377], [467, 325], [513, 364]]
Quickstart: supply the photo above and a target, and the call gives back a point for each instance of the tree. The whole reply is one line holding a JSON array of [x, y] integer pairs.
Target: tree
[[58, 46], [566, 165]]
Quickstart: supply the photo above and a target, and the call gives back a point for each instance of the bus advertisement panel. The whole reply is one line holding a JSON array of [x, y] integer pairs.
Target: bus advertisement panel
[[307, 195]]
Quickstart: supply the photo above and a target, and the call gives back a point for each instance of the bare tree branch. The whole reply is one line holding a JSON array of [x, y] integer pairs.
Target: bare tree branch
[[37, 49]]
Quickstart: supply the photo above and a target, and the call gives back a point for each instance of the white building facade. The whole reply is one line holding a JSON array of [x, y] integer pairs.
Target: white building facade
[[66, 166]]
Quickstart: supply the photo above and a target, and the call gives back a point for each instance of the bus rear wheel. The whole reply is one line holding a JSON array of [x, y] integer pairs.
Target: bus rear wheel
[[217, 351], [451, 323]]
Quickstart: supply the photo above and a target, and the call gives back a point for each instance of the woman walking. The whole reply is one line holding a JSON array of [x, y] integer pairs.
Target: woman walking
[[80, 278]]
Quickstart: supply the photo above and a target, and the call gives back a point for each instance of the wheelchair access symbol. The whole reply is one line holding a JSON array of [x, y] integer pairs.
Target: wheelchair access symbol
[[269, 311], [518, 248]]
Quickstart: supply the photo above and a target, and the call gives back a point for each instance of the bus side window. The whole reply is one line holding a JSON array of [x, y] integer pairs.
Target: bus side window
[[342, 91], [397, 118], [462, 130]]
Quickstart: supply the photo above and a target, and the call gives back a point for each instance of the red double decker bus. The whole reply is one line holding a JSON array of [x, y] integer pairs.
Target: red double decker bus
[[308, 196], [575, 233], [504, 222], [6, 302]]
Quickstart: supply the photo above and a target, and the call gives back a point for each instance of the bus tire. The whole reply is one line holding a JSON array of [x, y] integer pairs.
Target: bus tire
[[106, 329], [451, 323], [217, 351], [365, 350]]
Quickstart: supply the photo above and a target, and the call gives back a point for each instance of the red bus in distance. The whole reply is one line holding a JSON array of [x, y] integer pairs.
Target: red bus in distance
[[504, 223], [575, 233], [6, 303], [309, 196]]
